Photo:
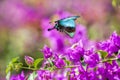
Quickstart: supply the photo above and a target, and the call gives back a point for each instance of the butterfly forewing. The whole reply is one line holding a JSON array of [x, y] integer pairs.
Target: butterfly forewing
[[70, 18], [68, 23]]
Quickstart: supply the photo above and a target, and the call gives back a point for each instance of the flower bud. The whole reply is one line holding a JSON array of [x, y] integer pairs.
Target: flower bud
[[29, 60]]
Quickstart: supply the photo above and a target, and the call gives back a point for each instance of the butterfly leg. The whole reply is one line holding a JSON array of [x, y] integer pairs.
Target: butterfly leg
[[57, 29], [61, 30]]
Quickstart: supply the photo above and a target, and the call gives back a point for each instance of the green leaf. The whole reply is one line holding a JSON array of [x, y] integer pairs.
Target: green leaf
[[8, 69], [8, 76], [103, 54], [10, 66], [110, 61], [15, 60], [32, 76], [118, 61], [18, 66], [67, 62], [37, 62]]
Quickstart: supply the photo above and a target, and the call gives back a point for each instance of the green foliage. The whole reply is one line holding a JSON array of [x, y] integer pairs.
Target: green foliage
[[18, 66], [103, 54], [37, 62], [104, 57], [67, 62], [12, 64], [15, 60], [118, 61]]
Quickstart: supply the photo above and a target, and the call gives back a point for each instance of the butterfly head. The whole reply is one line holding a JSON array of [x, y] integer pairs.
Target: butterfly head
[[56, 25]]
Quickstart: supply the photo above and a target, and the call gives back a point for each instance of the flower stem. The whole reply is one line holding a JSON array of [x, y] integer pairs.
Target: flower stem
[[111, 59], [29, 68]]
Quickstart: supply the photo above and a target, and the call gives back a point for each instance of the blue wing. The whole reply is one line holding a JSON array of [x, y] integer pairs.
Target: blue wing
[[70, 18], [68, 22]]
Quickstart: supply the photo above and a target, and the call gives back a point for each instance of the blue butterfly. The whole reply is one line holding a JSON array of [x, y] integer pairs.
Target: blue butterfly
[[66, 24]]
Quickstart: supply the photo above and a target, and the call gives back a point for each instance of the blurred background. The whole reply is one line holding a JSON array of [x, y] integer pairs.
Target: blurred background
[[23, 22]]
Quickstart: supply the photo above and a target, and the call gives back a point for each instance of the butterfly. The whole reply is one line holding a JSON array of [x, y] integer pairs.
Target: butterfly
[[66, 25]]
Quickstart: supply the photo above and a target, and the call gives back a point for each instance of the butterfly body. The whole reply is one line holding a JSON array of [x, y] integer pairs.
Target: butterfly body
[[66, 25]]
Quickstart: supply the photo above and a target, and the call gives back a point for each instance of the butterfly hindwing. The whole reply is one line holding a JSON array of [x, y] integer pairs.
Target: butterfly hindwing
[[71, 34], [70, 31]]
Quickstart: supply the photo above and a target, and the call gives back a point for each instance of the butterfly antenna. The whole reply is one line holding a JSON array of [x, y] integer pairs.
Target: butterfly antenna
[[77, 17], [51, 29]]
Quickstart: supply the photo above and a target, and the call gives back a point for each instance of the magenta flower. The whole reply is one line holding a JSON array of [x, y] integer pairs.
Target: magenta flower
[[18, 77], [74, 55], [73, 76], [58, 62], [76, 52], [47, 52], [111, 45], [44, 75], [91, 58], [79, 62], [116, 39]]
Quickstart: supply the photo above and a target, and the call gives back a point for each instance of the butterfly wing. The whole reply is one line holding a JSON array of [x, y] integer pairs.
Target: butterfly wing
[[70, 18], [71, 34], [69, 25], [68, 22]]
